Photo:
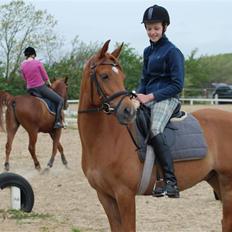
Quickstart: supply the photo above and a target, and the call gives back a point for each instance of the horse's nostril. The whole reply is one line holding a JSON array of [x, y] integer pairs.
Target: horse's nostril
[[128, 111]]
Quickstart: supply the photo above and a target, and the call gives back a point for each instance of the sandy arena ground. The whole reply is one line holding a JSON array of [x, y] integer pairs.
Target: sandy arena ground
[[72, 205]]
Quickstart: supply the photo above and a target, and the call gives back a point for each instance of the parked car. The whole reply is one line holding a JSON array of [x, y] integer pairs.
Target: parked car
[[223, 91]]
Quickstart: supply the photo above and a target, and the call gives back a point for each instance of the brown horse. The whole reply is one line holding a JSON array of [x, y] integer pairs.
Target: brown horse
[[109, 159], [30, 112]]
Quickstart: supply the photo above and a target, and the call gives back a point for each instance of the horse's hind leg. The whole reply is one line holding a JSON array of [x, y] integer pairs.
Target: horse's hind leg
[[226, 194], [11, 128], [60, 149], [31, 148], [214, 182]]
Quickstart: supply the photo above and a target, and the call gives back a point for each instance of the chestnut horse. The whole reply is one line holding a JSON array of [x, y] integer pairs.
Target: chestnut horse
[[109, 159], [30, 112]]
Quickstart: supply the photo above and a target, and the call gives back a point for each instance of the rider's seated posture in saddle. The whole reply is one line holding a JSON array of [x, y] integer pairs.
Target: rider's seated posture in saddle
[[37, 80], [161, 82]]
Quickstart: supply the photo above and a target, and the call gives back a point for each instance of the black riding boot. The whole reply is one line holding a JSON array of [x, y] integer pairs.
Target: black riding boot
[[58, 123], [164, 156]]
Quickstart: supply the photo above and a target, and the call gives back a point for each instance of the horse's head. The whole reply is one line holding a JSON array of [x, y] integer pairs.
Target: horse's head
[[102, 87], [61, 87]]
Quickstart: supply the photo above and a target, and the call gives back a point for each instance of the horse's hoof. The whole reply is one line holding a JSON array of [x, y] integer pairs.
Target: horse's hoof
[[7, 167], [37, 167], [64, 161], [50, 164]]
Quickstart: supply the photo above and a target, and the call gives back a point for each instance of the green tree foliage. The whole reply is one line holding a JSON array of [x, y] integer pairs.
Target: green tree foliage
[[22, 25], [72, 65], [36, 28], [201, 72], [132, 64]]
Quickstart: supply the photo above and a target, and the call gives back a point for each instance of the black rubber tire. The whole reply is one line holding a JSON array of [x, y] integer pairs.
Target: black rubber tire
[[8, 179], [216, 196]]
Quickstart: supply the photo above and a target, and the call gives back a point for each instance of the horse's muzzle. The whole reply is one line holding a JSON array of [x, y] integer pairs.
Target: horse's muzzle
[[126, 114]]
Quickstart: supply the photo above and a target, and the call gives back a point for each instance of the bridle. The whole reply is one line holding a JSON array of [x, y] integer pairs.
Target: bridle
[[105, 105], [105, 100]]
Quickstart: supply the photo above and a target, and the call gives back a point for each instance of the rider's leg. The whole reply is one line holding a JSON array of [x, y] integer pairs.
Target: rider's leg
[[58, 123], [160, 115], [165, 158], [57, 99]]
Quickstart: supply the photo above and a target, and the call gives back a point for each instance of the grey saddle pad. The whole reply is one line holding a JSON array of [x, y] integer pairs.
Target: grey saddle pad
[[185, 139]]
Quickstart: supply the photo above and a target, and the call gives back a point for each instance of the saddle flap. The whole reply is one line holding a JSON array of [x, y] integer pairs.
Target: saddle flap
[[49, 104]]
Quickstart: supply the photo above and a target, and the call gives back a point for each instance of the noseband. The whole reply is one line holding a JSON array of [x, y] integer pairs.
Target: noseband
[[105, 100]]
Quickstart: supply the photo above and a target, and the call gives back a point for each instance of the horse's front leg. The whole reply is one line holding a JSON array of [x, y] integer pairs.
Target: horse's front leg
[[126, 205], [61, 150], [55, 135], [112, 211]]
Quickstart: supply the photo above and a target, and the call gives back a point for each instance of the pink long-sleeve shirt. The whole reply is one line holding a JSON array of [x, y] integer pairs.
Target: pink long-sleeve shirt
[[33, 73]]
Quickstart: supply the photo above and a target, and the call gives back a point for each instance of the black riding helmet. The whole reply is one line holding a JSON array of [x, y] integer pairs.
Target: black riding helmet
[[156, 14], [29, 51]]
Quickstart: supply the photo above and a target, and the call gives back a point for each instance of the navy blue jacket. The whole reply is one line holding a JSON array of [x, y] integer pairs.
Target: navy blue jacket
[[163, 70]]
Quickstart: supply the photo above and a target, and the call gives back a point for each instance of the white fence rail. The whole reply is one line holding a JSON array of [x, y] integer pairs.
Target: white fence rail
[[191, 101], [212, 101], [71, 115]]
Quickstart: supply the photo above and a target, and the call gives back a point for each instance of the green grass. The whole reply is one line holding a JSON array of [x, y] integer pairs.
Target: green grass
[[75, 230], [20, 215]]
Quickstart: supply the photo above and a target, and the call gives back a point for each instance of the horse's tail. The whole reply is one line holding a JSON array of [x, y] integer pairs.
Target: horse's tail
[[5, 100]]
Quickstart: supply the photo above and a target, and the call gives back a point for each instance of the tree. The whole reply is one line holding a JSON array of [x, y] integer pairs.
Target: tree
[[22, 25], [71, 65], [131, 63]]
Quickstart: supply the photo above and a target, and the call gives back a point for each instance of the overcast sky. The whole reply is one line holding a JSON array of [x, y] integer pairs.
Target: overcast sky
[[202, 24]]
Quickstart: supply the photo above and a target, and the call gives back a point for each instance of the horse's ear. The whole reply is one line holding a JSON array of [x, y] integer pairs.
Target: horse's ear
[[104, 49], [66, 80], [52, 79], [117, 51]]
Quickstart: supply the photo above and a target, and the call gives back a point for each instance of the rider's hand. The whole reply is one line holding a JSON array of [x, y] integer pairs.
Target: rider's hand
[[49, 83], [144, 98]]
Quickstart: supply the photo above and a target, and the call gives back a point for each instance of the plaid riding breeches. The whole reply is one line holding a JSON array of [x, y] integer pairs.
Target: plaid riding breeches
[[161, 112]]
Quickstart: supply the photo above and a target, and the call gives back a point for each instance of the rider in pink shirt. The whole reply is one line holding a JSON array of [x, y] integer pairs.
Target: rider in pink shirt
[[36, 77], [34, 73]]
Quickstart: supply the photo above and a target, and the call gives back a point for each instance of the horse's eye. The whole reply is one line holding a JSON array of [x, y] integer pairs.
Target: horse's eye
[[104, 76]]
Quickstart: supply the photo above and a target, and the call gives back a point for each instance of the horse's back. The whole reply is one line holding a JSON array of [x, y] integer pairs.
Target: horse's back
[[29, 111], [210, 116], [28, 103], [217, 128]]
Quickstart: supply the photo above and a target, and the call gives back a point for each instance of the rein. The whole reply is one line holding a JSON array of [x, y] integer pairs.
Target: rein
[[105, 102]]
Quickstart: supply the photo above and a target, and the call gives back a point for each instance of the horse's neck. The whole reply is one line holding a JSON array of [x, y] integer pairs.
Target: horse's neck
[[99, 124]]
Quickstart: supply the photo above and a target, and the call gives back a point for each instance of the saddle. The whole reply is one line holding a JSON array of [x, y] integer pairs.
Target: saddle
[[47, 102], [183, 134]]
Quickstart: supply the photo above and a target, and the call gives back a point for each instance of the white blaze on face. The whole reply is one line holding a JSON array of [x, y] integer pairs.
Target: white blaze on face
[[114, 69]]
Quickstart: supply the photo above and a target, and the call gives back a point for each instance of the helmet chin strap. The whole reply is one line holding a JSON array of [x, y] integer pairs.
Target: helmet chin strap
[[164, 28]]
